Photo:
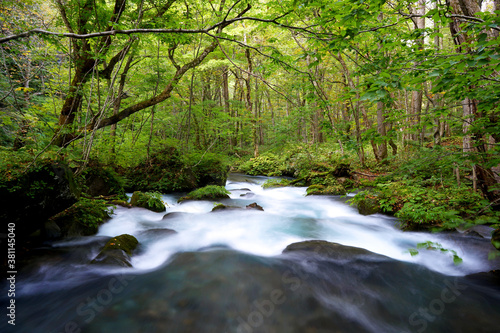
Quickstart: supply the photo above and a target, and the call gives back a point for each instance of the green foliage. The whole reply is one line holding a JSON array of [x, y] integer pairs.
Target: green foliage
[[433, 246], [267, 165], [419, 204], [209, 192]]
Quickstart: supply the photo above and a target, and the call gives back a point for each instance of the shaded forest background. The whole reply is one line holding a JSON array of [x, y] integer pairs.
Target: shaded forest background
[[406, 90]]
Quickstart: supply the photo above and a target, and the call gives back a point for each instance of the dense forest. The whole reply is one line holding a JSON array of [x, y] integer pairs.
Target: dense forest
[[400, 99]]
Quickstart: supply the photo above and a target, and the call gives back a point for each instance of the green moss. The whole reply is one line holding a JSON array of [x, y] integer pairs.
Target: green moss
[[83, 218], [210, 192], [117, 251], [99, 180], [319, 189], [148, 200], [276, 183], [125, 242]]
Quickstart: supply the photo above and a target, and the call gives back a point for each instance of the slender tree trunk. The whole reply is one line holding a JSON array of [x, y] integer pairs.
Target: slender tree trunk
[[416, 97], [253, 113], [225, 97]]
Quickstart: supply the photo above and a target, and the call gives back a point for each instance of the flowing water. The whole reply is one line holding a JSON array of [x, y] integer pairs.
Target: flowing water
[[225, 271]]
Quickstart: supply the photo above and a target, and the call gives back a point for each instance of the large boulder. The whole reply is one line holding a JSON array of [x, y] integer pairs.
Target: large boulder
[[168, 171], [81, 219], [98, 180], [117, 251], [326, 249], [209, 192], [164, 172], [29, 198], [495, 239]]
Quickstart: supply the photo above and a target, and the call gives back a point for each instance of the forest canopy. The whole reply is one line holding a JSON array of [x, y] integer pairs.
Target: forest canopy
[[120, 80]]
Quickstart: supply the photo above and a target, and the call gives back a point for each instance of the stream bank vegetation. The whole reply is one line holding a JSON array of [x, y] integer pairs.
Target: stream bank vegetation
[[397, 99]]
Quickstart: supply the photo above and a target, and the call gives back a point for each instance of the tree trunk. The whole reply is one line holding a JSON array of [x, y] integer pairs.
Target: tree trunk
[[254, 115], [485, 176]]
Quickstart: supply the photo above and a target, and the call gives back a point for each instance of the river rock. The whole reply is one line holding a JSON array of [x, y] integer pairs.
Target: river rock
[[221, 207], [145, 200], [255, 206], [173, 215], [326, 249], [156, 233], [495, 239], [81, 219], [368, 206], [29, 199], [102, 181], [166, 172], [117, 251]]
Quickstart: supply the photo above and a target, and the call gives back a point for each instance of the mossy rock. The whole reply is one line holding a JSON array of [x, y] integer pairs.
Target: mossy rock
[[81, 219], [30, 197], [326, 190], [168, 171], [99, 180], [369, 206], [210, 192], [272, 183], [147, 200], [117, 251], [495, 239]]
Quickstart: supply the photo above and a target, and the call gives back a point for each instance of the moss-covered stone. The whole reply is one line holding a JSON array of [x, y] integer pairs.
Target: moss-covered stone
[[336, 189], [99, 180], [30, 196], [210, 192], [81, 219], [169, 171], [495, 239], [117, 251], [148, 200], [369, 206], [271, 183]]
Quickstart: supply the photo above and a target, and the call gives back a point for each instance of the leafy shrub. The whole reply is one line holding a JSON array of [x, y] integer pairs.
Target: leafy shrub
[[265, 165], [436, 247], [418, 205]]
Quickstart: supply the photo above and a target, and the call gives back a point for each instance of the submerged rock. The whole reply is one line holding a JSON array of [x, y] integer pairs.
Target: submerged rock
[[173, 215], [117, 251], [327, 249], [156, 233]]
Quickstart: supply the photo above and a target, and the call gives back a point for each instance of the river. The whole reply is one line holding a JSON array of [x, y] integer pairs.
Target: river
[[226, 271]]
